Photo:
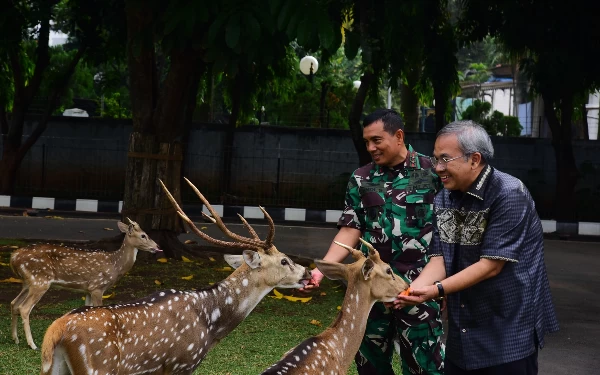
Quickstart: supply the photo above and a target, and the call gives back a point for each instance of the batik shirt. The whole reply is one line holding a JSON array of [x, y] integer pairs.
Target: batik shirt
[[501, 319], [393, 208]]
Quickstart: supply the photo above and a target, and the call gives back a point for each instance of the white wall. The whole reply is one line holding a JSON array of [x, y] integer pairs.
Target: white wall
[[592, 115]]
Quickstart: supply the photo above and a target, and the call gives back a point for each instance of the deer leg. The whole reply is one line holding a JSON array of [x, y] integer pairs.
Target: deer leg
[[14, 311], [96, 296], [35, 294]]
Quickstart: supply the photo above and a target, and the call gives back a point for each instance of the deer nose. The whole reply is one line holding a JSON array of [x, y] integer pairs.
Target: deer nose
[[307, 275]]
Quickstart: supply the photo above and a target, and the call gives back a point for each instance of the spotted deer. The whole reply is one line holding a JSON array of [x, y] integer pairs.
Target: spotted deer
[[332, 351], [170, 332], [94, 272]]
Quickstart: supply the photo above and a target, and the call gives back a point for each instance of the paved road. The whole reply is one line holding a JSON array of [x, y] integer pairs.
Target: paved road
[[573, 268]]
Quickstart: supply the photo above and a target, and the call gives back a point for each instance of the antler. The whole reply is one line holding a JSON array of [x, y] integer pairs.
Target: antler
[[241, 242], [373, 254], [357, 254]]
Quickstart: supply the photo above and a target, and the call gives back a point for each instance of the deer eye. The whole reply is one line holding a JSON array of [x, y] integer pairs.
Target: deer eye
[[389, 271], [143, 236], [284, 262]]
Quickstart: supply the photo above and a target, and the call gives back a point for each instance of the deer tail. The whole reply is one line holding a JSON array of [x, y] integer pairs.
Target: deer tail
[[52, 339]]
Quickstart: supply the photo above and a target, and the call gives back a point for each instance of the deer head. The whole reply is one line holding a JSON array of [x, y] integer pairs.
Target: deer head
[[137, 238]]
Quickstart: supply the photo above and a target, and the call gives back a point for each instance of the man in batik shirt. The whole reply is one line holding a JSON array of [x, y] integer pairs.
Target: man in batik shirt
[[487, 258], [389, 204]]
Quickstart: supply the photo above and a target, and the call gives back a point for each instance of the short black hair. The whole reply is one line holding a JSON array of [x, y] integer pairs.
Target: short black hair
[[392, 122]]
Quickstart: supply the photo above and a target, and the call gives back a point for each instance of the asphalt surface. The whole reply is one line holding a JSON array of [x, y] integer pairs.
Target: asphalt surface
[[573, 269]]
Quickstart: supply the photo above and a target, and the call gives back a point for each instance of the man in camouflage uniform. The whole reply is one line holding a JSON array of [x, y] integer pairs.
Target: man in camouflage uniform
[[389, 203]]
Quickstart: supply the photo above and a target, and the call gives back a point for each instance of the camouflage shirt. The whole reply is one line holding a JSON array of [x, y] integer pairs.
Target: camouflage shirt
[[393, 208]]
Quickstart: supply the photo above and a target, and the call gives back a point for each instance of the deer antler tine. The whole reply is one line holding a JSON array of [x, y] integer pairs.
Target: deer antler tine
[[209, 218], [198, 232], [356, 254], [249, 228], [373, 253], [130, 221], [219, 222], [271, 234]]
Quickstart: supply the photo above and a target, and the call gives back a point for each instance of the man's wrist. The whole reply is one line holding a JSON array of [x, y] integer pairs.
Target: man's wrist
[[440, 288]]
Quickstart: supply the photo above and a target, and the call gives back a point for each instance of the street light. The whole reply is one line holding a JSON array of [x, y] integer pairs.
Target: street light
[[309, 66]]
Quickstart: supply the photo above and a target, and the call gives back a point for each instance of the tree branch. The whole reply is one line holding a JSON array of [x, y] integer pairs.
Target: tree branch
[[42, 57], [3, 121], [60, 86], [15, 65], [551, 115]]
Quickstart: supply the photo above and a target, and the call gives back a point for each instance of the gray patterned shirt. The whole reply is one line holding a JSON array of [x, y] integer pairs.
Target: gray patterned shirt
[[504, 318]]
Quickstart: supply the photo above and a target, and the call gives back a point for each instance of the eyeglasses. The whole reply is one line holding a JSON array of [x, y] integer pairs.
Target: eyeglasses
[[443, 161]]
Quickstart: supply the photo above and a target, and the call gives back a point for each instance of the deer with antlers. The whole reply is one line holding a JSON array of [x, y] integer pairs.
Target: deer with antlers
[[170, 332], [332, 352], [94, 272]]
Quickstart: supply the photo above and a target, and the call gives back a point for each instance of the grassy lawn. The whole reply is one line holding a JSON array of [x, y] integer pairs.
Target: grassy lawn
[[274, 326]]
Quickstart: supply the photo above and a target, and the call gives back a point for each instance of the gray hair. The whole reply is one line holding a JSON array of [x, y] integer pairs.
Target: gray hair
[[472, 138]]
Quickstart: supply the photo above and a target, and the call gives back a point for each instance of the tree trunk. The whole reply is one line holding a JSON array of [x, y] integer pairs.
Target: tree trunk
[[236, 106], [410, 102], [160, 119], [323, 110], [565, 208], [354, 119], [9, 167], [441, 104]]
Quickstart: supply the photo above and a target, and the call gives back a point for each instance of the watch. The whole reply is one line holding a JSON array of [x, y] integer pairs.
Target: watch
[[440, 288]]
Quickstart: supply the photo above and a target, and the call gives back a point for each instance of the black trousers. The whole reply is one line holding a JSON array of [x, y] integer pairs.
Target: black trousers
[[525, 366]]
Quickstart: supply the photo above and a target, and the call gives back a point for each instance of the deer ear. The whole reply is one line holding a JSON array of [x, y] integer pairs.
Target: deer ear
[[234, 261], [367, 268], [252, 258], [123, 227], [333, 270]]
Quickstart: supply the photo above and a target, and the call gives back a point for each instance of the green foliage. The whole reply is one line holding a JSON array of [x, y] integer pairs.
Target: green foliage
[[496, 123]]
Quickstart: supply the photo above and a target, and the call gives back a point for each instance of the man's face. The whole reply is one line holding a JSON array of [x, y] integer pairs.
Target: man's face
[[456, 174], [385, 149]]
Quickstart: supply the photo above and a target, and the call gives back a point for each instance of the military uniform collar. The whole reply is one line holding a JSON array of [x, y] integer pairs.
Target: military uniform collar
[[410, 162]]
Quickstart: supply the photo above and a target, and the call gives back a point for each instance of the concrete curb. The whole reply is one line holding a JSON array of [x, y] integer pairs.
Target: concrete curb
[[281, 215]]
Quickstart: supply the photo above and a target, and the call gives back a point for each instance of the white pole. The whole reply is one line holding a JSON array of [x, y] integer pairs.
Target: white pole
[[389, 102]]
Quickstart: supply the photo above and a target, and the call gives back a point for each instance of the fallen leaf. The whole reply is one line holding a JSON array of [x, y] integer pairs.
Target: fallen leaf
[[187, 277], [323, 294], [277, 294], [211, 283], [339, 307], [186, 260], [109, 296], [25, 213], [14, 247], [4, 264], [190, 242], [224, 269], [162, 260], [211, 259], [11, 280], [56, 218], [203, 228], [108, 229], [315, 322], [157, 282], [297, 299]]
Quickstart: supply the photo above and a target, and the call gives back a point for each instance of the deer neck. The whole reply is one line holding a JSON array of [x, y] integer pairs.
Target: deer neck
[[124, 258], [346, 333], [234, 298]]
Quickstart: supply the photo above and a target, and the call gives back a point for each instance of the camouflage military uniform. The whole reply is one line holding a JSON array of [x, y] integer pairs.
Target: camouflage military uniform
[[392, 207]]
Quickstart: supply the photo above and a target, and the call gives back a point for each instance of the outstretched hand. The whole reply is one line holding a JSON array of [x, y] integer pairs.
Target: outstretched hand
[[314, 282], [415, 296]]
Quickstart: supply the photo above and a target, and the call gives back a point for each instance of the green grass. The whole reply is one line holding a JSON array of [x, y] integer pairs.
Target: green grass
[[9, 242], [275, 325]]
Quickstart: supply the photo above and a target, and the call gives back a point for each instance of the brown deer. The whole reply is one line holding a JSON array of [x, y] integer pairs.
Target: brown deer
[[332, 352], [93, 272], [170, 332]]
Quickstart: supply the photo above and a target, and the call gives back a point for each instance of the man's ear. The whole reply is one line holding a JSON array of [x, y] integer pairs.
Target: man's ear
[[399, 136], [476, 159]]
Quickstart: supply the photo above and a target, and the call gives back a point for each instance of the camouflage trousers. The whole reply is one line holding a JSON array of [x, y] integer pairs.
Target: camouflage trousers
[[416, 330]]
